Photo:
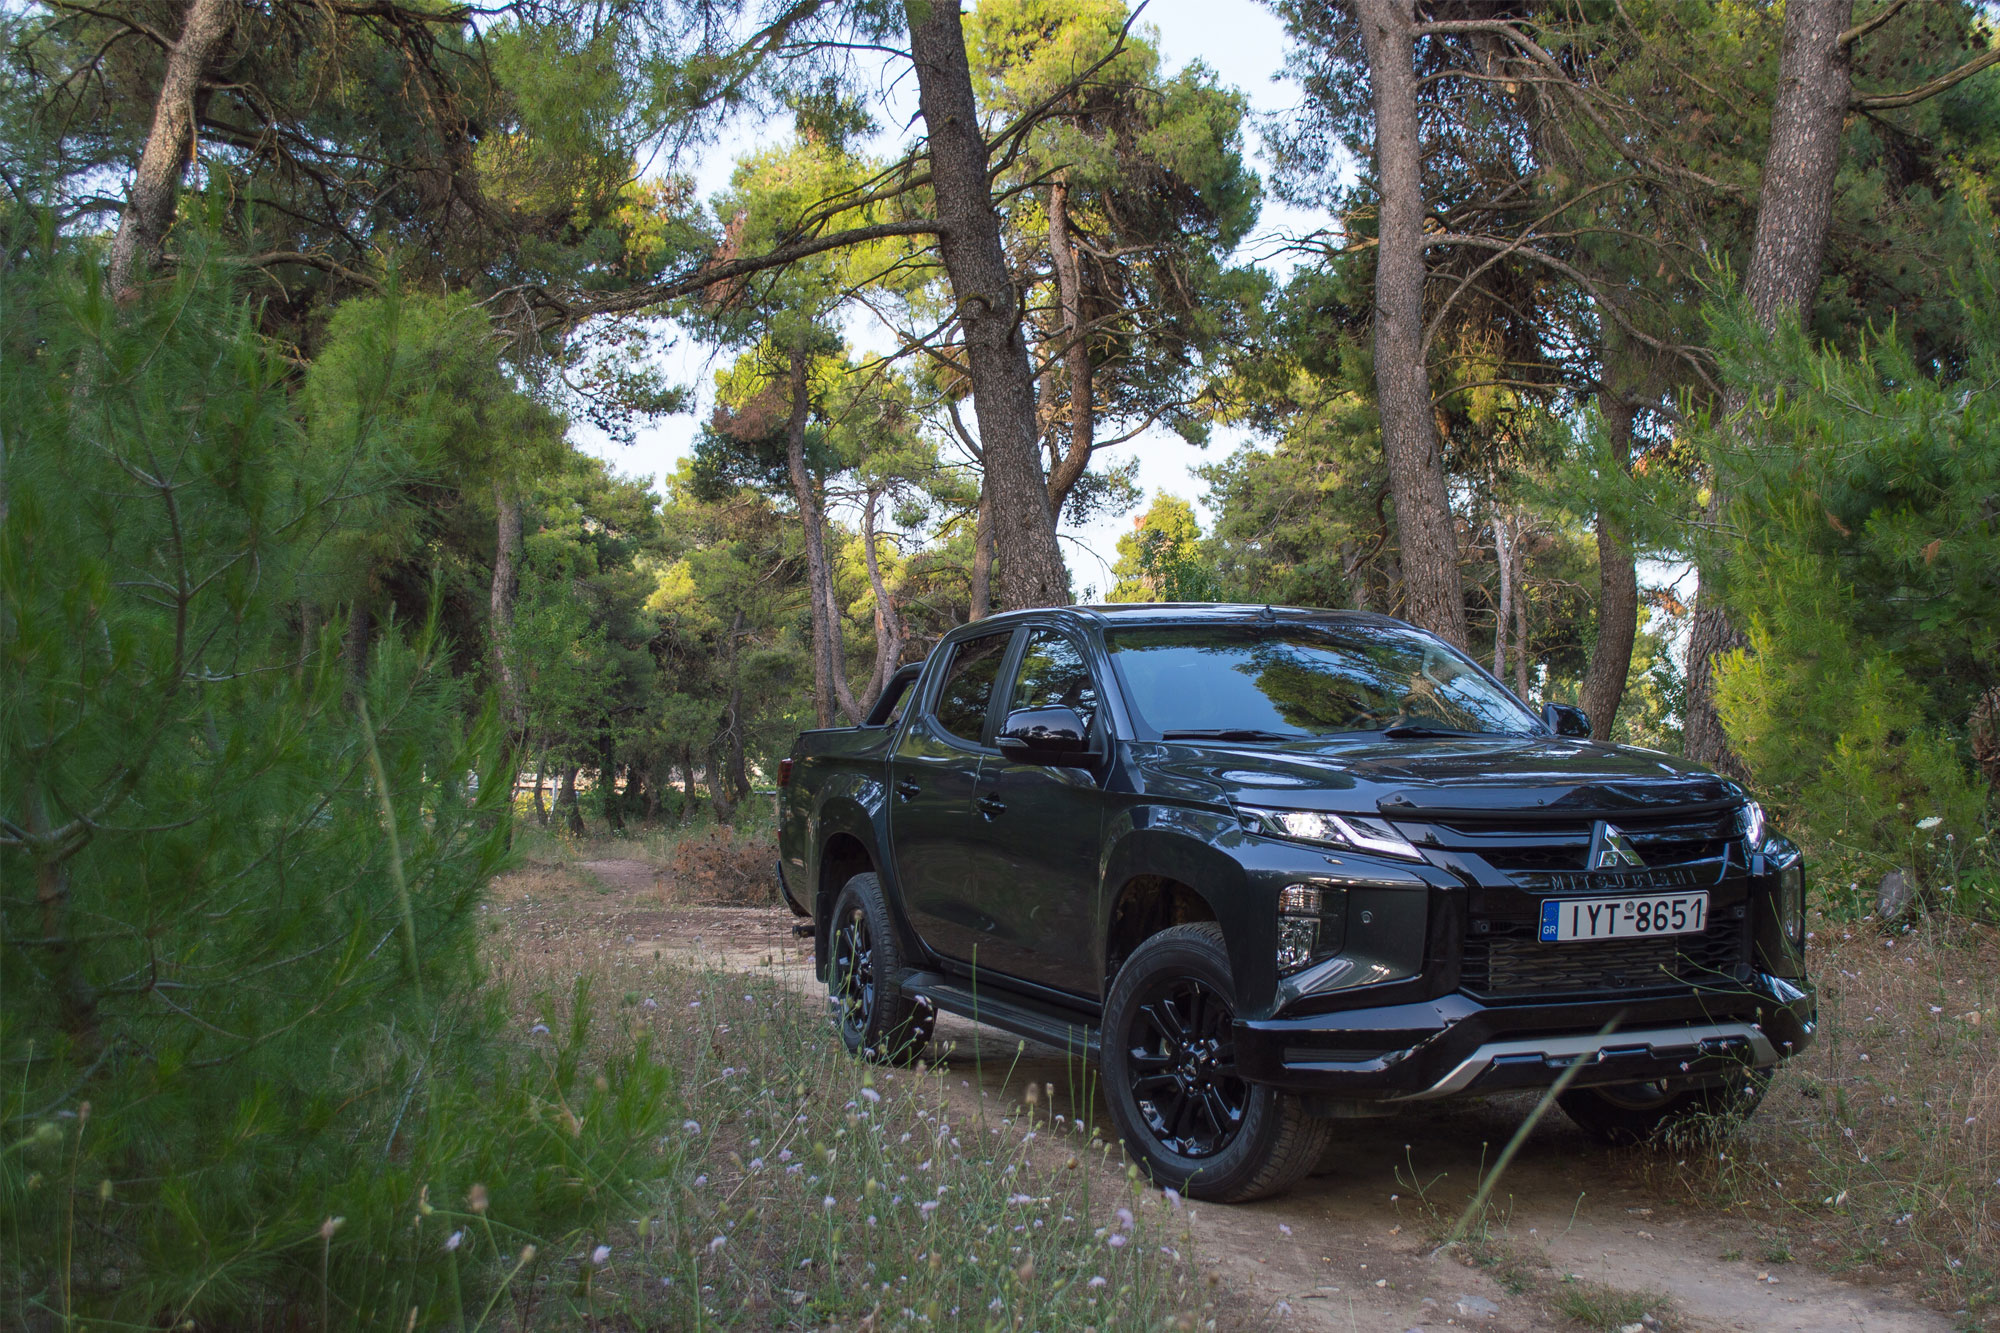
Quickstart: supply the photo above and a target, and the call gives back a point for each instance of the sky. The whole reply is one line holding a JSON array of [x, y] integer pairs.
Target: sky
[[1244, 43]]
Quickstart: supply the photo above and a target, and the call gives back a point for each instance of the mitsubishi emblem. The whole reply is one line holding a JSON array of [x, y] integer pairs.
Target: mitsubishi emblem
[[1610, 849]]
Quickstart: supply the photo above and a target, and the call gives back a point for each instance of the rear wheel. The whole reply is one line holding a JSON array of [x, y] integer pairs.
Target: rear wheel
[[876, 1018], [1170, 1075], [1624, 1114]]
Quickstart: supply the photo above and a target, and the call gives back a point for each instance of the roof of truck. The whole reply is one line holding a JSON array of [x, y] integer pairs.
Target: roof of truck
[[1186, 613]]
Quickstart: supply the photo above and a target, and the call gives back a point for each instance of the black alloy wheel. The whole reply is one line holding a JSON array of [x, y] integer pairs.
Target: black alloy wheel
[[1185, 1115], [863, 971], [1182, 1068], [851, 975]]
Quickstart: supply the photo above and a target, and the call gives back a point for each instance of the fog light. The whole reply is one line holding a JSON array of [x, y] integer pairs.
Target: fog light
[[1792, 901], [1298, 938], [1299, 900]]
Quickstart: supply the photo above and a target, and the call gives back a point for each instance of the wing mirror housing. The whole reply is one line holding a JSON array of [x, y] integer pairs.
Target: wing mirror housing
[[1566, 720], [1055, 735]]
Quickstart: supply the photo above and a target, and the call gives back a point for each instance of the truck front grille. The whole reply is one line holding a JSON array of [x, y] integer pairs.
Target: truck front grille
[[1511, 962]]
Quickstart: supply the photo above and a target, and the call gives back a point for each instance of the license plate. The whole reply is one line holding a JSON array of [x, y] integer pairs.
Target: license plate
[[1623, 918]]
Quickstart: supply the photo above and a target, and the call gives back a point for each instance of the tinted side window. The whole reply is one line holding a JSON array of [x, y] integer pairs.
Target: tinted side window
[[968, 686], [1053, 673]]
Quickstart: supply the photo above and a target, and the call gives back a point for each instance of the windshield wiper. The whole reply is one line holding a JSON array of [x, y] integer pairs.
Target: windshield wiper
[[1225, 734], [1416, 730]]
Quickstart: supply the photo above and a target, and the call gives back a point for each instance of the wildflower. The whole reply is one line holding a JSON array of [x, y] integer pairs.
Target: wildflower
[[539, 1030], [1929, 822], [1115, 1242], [717, 1244], [1020, 1198], [927, 1207], [1124, 1216], [756, 1164], [476, 1198], [784, 1154], [1285, 1229], [828, 1202], [700, 1180], [691, 1126], [870, 1095], [1174, 1197], [1095, 1283], [454, 1240], [600, 1255], [328, 1227]]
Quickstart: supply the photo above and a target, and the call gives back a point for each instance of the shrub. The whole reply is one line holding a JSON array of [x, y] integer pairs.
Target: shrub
[[247, 1082], [1865, 579], [717, 867]]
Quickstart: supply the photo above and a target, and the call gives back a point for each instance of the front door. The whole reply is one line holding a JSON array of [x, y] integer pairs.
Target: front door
[[931, 779], [1036, 835]]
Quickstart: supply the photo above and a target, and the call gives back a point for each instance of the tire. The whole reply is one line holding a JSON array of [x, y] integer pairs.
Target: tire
[[1169, 1076], [1625, 1115], [876, 1019]]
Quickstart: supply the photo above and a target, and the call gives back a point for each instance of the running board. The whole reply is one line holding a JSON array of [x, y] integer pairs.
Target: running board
[[1066, 1031]]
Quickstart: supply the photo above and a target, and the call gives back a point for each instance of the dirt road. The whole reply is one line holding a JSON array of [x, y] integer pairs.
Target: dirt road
[[1574, 1239]]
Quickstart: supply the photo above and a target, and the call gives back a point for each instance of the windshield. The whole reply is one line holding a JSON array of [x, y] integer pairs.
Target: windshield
[[1298, 681]]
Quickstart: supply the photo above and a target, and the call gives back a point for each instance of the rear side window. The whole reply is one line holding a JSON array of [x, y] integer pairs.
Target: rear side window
[[1053, 674], [968, 686]]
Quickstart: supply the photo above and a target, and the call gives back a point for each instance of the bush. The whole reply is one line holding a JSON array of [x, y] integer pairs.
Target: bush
[[1866, 582], [247, 1071], [715, 867]]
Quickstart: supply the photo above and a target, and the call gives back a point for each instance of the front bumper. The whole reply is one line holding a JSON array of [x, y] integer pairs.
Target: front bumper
[[1455, 1045]]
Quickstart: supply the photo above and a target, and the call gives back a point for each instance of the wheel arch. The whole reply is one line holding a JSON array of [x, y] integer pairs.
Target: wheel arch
[[1163, 872]]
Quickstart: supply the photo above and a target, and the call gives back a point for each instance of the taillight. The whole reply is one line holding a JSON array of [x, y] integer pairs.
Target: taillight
[[784, 772]]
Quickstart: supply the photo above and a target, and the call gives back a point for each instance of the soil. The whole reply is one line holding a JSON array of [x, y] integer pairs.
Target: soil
[[1355, 1247]]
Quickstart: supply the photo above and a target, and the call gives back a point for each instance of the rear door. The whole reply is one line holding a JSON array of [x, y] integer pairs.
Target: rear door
[[1037, 830], [931, 779]]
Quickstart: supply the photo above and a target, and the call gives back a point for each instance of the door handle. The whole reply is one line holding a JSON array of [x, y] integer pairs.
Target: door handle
[[908, 788], [990, 805]]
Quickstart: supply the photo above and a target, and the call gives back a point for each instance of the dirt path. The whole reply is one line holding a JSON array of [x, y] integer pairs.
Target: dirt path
[[1354, 1248]]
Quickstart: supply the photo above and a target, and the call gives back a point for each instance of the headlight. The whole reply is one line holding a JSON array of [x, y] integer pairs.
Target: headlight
[[1750, 823], [1363, 833]]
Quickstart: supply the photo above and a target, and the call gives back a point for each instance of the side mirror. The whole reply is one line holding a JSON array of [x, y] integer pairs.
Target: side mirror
[[1044, 735], [1566, 720]]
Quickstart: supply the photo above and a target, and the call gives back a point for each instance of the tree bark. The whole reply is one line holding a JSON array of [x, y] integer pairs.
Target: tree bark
[[989, 310], [607, 778], [1519, 554], [506, 586], [541, 775], [982, 560], [1433, 592], [360, 627], [739, 776], [149, 206], [567, 803], [888, 624], [1075, 461], [1794, 209], [1503, 555], [819, 580], [1617, 589]]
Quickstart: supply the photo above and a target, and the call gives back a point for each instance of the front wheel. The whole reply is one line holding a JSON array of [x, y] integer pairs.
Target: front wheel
[[1170, 1075], [1625, 1114], [876, 1018]]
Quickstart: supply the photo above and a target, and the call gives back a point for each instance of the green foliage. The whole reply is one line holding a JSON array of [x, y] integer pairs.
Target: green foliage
[[1865, 573], [1163, 558], [215, 1037]]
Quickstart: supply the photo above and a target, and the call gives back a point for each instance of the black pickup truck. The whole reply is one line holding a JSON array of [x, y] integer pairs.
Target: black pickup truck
[[1276, 867]]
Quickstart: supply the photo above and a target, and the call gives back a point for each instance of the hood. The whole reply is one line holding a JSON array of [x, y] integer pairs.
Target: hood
[[1545, 776]]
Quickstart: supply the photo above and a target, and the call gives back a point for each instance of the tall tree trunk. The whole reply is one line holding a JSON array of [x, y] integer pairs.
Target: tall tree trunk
[[687, 786], [1075, 461], [506, 585], [819, 580], [888, 624], [607, 779], [1794, 209], [739, 776], [1617, 588], [1520, 613], [360, 630], [989, 309], [1433, 593], [982, 559], [149, 207], [843, 694], [541, 776], [718, 790], [567, 803], [1503, 556]]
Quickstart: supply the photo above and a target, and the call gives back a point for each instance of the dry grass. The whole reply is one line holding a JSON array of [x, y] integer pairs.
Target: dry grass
[[812, 1191], [1877, 1153]]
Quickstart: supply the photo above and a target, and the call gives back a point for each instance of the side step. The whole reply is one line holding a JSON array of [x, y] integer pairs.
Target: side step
[[1063, 1029]]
